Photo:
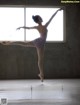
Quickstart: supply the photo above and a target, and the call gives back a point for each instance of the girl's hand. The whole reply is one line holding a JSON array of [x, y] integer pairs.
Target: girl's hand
[[18, 28], [60, 9]]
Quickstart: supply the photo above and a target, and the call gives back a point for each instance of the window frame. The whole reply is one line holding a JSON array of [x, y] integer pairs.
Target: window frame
[[23, 6]]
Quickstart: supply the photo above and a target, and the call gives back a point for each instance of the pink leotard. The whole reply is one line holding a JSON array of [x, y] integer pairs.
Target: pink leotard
[[40, 42]]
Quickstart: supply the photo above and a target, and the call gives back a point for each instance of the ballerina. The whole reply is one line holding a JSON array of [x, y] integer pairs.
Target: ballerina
[[38, 43]]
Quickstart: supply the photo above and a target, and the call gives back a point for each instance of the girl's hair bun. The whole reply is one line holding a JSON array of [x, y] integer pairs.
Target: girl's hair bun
[[35, 18]]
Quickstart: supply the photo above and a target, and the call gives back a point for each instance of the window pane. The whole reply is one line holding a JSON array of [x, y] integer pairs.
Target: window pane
[[10, 19], [55, 29]]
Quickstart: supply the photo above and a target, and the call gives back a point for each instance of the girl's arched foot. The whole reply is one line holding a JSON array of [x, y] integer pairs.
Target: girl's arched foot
[[41, 77], [5, 42]]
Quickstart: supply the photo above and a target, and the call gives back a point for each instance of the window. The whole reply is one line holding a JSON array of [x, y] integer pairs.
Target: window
[[11, 18]]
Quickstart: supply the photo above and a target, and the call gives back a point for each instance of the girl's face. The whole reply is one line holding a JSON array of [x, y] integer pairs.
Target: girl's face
[[40, 19]]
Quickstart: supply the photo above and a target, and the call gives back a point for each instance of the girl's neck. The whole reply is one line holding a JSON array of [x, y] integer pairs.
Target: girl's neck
[[40, 24]]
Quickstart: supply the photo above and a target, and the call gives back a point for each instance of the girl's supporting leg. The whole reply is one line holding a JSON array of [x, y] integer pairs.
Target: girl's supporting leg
[[40, 52]]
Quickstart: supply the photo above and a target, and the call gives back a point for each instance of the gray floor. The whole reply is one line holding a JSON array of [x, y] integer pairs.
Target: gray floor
[[33, 92]]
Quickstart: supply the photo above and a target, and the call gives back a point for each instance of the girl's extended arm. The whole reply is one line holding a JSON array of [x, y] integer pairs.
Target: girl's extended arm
[[35, 27], [52, 17]]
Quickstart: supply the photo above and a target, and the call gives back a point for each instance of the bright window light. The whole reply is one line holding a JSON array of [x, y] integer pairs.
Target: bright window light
[[55, 29], [11, 18]]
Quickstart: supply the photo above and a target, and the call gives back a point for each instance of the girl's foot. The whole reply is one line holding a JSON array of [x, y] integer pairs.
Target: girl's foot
[[5, 42], [41, 77]]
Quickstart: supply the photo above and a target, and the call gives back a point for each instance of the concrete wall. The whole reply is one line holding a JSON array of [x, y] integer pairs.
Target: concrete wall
[[62, 60]]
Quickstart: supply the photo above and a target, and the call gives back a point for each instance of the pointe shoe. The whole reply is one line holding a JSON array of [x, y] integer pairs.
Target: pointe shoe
[[41, 77]]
